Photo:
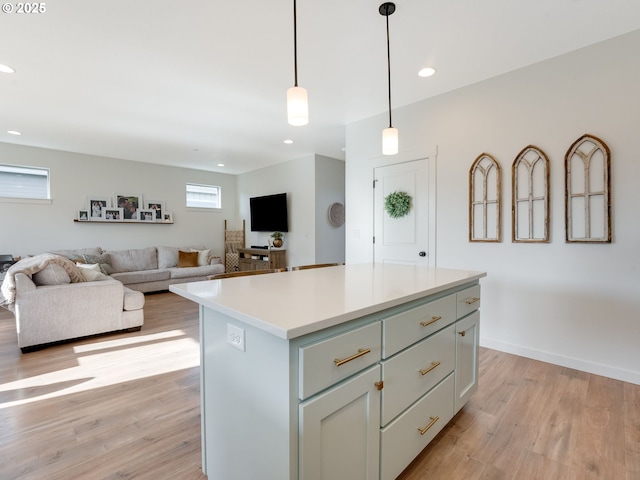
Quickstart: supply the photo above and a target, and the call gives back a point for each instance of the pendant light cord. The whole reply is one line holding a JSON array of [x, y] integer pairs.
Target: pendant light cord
[[295, 45], [389, 68]]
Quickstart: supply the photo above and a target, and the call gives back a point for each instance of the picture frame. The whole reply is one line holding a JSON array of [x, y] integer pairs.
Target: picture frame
[[146, 215], [157, 206], [112, 214], [167, 217], [83, 215], [95, 203], [129, 203]]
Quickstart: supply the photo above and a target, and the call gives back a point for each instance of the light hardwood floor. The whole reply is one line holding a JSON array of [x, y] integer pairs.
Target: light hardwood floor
[[127, 406]]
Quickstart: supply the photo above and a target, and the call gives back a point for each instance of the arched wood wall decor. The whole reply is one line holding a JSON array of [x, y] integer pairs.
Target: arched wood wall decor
[[485, 200], [588, 191], [530, 196]]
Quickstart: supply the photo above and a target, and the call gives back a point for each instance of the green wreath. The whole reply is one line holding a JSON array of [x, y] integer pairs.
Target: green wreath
[[397, 204]]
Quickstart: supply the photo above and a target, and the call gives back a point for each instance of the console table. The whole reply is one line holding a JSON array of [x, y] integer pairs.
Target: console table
[[332, 373], [261, 259]]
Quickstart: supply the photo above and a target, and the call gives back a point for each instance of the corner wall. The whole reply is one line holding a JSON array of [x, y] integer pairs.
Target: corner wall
[[570, 304], [312, 183]]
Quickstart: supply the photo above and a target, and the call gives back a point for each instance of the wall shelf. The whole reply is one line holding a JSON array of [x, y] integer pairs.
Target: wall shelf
[[128, 222]]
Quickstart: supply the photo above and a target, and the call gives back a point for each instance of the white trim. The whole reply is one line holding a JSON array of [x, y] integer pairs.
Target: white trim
[[36, 201], [563, 361]]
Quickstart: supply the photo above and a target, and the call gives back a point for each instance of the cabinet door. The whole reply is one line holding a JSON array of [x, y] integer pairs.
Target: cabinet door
[[467, 344], [340, 431]]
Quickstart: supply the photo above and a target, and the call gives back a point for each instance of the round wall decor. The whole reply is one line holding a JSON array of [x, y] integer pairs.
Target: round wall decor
[[336, 214], [397, 204]]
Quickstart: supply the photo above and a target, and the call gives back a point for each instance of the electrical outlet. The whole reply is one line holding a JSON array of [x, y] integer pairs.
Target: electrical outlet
[[235, 337]]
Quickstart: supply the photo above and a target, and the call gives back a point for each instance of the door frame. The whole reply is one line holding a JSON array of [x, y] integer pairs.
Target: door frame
[[431, 155]]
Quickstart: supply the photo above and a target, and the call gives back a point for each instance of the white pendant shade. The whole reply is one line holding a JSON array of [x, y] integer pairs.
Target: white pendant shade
[[390, 141], [297, 106]]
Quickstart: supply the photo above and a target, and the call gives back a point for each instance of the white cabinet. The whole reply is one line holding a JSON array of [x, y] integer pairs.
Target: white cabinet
[[340, 438], [467, 336]]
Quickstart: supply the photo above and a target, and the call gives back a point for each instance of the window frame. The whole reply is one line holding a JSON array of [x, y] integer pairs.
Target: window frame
[[201, 207], [28, 170]]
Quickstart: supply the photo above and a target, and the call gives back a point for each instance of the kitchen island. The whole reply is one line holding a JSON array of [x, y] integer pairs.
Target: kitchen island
[[339, 372]]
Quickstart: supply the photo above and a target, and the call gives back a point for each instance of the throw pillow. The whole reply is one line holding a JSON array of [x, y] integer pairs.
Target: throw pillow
[[89, 266], [52, 274], [101, 260], [187, 259], [203, 256]]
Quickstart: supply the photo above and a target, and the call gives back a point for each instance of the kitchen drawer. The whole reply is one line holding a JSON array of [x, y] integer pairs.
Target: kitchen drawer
[[414, 372], [327, 362], [408, 327], [407, 436], [468, 300]]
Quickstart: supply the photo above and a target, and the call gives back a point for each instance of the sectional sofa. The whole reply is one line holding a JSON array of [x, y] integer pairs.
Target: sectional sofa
[[149, 269]]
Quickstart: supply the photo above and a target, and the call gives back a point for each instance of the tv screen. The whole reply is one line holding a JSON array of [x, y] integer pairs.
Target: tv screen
[[269, 213]]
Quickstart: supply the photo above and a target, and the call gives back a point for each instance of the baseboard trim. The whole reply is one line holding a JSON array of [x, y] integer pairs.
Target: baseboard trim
[[563, 361]]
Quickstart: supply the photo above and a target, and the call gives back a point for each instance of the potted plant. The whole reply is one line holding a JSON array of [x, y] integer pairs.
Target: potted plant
[[277, 239]]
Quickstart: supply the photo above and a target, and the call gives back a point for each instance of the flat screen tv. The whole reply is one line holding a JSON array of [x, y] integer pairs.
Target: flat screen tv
[[269, 213]]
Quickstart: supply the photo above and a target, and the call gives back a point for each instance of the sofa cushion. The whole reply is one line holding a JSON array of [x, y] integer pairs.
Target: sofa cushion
[[202, 271], [91, 275], [142, 276], [187, 259], [77, 255], [52, 274], [167, 257], [89, 266], [102, 260], [133, 300], [203, 256], [134, 260]]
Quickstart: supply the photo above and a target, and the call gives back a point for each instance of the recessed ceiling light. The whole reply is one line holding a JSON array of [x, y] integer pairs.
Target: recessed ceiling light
[[288, 141], [220, 164], [14, 132], [426, 72], [6, 69]]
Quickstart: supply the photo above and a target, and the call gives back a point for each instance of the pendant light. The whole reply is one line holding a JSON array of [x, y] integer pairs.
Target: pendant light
[[297, 103], [390, 134]]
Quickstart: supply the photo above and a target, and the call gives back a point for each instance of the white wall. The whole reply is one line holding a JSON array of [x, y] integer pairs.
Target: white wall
[[571, 304], [329, 186], [312, 183], [295, 178], [27, 228]]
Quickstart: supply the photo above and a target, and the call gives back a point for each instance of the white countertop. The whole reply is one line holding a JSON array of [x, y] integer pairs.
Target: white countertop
[[291, 304]]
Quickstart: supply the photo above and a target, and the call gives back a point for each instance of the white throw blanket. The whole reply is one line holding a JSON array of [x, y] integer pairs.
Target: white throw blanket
[[31, 265]]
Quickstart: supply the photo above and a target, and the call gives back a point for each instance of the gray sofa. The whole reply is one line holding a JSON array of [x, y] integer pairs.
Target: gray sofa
[[150, 269], [54, 300]]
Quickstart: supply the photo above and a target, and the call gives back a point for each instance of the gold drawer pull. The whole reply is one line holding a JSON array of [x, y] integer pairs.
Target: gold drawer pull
[[431, 424], [361, 352], [428, 369], [433, 320], [471, 301]]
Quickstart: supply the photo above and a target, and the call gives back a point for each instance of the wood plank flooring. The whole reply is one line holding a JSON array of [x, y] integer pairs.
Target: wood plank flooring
[[127, 406]]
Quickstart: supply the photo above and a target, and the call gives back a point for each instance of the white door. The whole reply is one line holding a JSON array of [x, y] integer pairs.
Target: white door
[[405, 239]]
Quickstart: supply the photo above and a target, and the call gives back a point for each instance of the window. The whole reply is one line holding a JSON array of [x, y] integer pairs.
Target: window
[[485, 200], [203, 196], [24, 182], [530, 196]]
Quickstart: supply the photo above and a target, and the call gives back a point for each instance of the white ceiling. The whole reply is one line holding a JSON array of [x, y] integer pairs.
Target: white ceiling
[[194, 83]]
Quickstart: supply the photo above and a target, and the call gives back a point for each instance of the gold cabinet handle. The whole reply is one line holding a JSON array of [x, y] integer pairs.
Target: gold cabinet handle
[[431, 424], [434, 319], [428, 369], [361, 352], [462, 333], [471, 301]]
